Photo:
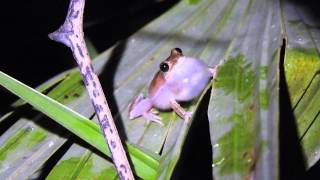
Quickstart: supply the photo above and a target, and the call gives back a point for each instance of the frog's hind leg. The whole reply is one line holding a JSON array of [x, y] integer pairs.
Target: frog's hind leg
[[136, 100], [139, 106]]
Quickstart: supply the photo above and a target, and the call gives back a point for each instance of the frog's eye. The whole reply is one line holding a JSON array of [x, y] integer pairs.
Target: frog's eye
[[164, 67]]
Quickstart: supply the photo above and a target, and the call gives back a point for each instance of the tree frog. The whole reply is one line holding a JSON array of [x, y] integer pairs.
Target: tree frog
[[179, 79]]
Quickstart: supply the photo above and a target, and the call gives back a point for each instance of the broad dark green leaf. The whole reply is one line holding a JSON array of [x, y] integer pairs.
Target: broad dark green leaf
[[79, 125], [302, 70], [243, 111]]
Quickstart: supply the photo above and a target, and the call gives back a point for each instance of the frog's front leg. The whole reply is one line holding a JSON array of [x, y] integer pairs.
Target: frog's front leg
[[180, 111]]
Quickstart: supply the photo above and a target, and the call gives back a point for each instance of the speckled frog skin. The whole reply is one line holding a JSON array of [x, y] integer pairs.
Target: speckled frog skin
[[179, 79]]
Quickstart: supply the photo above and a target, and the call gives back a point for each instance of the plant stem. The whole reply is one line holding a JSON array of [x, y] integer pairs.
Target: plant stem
[[71, 34]]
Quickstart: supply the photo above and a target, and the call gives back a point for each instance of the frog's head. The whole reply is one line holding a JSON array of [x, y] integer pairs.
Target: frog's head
[[167, 65], [166, 68]]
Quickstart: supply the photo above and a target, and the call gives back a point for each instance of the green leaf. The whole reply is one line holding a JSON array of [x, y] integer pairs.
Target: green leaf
[[89, 166], [243, 110], [76, 123], [302, 70]]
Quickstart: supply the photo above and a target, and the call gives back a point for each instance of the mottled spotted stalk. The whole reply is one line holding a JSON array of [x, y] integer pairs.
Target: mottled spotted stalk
[[71, 34]]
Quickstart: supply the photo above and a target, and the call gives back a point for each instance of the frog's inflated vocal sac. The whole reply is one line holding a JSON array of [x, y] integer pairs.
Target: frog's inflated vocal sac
[[179, 79]]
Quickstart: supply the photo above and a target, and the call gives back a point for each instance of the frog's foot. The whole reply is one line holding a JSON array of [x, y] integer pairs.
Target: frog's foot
[[186, 116], [150, 116]]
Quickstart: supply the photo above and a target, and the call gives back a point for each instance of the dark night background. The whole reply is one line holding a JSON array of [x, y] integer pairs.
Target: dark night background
[[31, 57]]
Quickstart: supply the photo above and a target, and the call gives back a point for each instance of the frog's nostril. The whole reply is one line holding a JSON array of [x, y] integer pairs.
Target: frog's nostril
[[164, 67]]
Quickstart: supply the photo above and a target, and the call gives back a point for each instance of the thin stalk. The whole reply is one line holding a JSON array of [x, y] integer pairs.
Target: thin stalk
[[71, 34]]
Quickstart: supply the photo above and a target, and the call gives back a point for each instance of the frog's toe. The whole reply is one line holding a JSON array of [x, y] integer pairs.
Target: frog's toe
[[213, 70], [187, 116], [149, 116]]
